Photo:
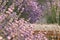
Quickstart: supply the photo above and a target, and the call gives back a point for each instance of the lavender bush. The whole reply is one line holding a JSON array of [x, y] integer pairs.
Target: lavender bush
[[12, 24]]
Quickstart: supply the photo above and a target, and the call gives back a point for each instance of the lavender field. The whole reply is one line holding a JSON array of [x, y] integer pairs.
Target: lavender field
[[29, 19]]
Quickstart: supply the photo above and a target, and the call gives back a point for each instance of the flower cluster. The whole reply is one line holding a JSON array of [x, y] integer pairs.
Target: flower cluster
[[33, 9], [15, 28], [18, 28], [22, 7], [22, 30]]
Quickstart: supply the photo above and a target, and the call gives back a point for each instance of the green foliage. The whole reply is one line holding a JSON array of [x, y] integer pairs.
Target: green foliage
[[52, 18], [53, 14], [49, 19], [41, 0], [24, 15], [16, 10], [8, 4], [50, 38], [59, 18]]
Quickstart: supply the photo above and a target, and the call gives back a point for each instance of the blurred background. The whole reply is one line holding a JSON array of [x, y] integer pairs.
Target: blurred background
[[51, 11]]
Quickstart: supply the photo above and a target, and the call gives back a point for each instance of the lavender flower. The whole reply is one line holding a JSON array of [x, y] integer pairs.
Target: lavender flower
[[15, 29], [33, 9], [2, 17], [20, 29]]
